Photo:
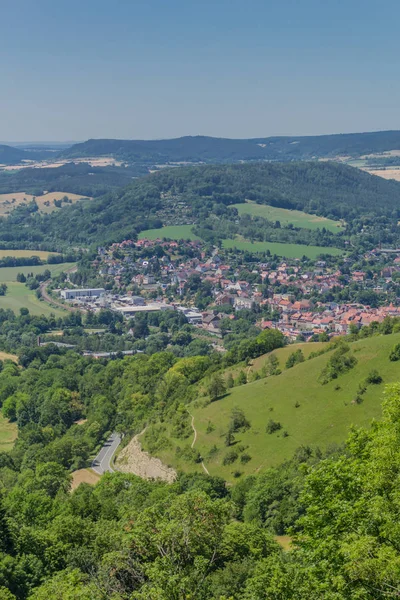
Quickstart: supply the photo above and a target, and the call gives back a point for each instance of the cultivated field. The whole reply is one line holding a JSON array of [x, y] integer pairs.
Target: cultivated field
[[173, 232], [286, 250], [323, 415], [42, 254], [296, 217], [388, 173], [45, 203], [84, 476]]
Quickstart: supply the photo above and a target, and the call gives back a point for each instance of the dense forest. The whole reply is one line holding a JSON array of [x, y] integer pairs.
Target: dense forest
[[208, 149], [327, 189], [79, 178]]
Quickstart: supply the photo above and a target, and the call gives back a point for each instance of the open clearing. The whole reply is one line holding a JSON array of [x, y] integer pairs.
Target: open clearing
[[19, 296], [173, 232], [45, 202], [8, 434], [388, 173], [84, 476], [286, 250], [311, 413], [42, 254], [284, 216], [7, 356]]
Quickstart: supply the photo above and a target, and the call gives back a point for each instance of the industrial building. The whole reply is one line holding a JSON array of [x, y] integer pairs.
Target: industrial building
[[84, 293]]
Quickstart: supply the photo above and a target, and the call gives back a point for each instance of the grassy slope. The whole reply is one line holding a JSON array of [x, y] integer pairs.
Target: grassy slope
[[288, 250], [323, 417], [296, 217], [174, 232], [42, 254], [18, 295], [8, 434]]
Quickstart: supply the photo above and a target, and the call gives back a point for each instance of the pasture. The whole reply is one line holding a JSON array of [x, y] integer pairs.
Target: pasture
[[285, 250], [42, 254], [284, 216], [173, 232]]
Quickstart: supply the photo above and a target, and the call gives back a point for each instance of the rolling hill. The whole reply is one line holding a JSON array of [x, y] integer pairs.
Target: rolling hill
[[327, 189], [311, 414], [9, 155], [210, 149]]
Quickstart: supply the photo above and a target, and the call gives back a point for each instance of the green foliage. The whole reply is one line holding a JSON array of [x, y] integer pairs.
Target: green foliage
[[374, 377], [273, 426], [294, 358], [341, 361], [395, 353], [216, 388]]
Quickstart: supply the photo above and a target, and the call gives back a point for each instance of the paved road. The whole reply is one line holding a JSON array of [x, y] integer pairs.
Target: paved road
[[102, 462]]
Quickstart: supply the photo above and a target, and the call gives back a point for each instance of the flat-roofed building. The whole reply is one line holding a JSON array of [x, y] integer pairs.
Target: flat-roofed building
[[82, 293]]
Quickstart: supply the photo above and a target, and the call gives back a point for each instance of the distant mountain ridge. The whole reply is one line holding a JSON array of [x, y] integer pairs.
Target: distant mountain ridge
[[210, 149], [10, 155]]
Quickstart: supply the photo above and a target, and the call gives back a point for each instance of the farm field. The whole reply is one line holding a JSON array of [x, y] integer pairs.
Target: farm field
[[42, 254], [173, 232], [19, 296], [296, 217], [323, 415], [8, 274], [45, 202], [388, 173], [286, 250], [8, 434]]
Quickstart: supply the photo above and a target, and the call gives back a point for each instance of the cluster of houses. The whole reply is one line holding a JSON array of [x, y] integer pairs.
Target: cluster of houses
[[166, 274]]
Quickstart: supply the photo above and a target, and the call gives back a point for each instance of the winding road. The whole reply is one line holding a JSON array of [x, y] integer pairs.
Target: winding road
[[102, 462]]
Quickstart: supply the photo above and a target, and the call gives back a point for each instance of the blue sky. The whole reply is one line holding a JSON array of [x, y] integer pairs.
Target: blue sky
[[70, 70]]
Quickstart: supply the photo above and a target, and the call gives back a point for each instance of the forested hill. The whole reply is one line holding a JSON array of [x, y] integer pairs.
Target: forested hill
[[328, 189], [209, 149], [11, 156]]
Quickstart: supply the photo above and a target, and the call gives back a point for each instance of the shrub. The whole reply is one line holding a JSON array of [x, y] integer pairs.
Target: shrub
[[273, 426], [245, 458], [230, 457], [395, 353], [295, 358], [188, 454], [374, 377], [210, 427], [340, 362], [241, 378], [216, 388], [238, 420], [285, 434]]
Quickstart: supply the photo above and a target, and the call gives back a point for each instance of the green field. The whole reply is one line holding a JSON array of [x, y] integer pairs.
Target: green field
[[296, 217], [19, 296], [173, 232], [42, 254], [8, 434], [8, 274], [285, 250], [324, 416]]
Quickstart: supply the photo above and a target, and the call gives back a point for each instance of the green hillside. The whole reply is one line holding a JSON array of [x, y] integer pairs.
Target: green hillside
[[323, 415]]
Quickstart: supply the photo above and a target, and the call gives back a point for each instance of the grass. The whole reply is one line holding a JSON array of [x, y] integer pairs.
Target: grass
[[42, 254], [9, 274], [323, 415], [296, 217], [19, 296], [8, 434], [45, 202], [7, 356], [286, 250], [173, 232]]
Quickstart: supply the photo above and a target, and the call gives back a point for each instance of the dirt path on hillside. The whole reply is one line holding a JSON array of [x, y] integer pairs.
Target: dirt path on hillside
[[132, 459], [194, 441]]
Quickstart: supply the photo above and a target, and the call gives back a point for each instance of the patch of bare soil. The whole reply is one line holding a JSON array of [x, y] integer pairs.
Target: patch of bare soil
[[84, 476], [132, 459]]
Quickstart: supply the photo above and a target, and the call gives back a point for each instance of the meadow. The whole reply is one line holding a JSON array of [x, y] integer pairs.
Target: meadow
[[284, 216], [8, 434], [19, 296], [310, 413], [173, 232], [285, 250]]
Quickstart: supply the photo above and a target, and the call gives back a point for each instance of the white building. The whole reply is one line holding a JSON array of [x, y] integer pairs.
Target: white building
[[83, 293]]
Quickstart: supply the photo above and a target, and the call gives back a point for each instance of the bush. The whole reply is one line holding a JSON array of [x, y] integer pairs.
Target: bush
[[374, 377], [294, 359], [245, 458], [395, 353], [230, 457], [238, 420], [188, 454], [273, 426], [340, 362], [216, 388]]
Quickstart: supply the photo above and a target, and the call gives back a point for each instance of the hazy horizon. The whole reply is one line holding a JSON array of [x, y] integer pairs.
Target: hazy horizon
[[156, 70]]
